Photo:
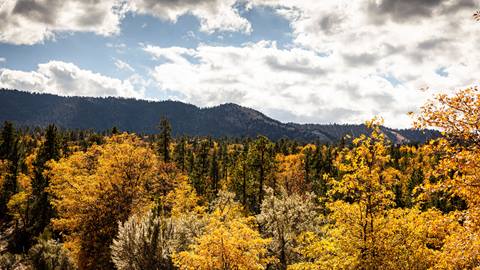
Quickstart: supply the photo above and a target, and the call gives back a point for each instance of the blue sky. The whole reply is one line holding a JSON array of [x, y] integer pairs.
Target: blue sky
[[303, 61]]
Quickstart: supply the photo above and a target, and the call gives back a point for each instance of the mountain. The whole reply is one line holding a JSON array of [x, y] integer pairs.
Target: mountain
[[141, 116]]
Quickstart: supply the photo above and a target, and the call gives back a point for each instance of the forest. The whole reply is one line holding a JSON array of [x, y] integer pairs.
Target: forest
[[74, 199]]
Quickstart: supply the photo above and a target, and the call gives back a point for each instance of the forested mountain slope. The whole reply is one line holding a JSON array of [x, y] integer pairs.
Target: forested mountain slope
[[141, 116]]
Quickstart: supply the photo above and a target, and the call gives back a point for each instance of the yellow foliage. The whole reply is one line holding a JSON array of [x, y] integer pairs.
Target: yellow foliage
[[290, 173], [4, 164], [20, 203], [455, 168], [366, 176], [229, 241], [101, 186], [401, 239]]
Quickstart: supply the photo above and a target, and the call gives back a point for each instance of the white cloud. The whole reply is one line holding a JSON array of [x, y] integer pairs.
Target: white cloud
[[67, 79], [123, 65], [405, 41], [28, 22], [291, 84], [214, 15], [350, 60], [3, 60]]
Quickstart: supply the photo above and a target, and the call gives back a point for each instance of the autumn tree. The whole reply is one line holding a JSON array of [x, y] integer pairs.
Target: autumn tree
[[361, 195], [402, 239], [20, 207], [291, 173], [94, 190], [230, 241], [457, 168], [148, 241]]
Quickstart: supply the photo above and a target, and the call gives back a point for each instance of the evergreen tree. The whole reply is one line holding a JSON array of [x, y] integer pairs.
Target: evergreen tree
[[8, 140], [214, 172], [261, 161], [179, 153], [165, 139], [50, 150], [10, 152]]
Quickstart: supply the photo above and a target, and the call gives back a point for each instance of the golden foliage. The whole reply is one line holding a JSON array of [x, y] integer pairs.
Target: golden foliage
[[455, 169], [94, 190], [230, 241], [400, 239], [290, 173]]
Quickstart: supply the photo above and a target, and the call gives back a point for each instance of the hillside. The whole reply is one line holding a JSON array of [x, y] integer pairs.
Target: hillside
[[227, 120]]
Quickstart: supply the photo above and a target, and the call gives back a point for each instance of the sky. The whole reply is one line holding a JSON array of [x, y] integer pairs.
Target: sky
[[305, 61]]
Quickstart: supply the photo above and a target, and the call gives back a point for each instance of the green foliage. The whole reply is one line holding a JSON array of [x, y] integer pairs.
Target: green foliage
[[284, 218], [50, 255], [50, 150], [165, 137]]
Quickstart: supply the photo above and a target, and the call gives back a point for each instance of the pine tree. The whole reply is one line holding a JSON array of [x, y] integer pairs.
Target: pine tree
[[10, 153], [7, 140], [164, 139], [261, 160], [214, 172], [179, 154], [50, 150]]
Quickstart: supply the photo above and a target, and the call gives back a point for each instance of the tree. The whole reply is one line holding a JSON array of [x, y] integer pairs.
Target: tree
[[291, 174], [241, 177], [180, 153], [261, 162], [214, 172], [10, 157], [401, 239], [94, 190], [50, 255], [20, 207], [144, 242], [7, 140], [50, 150], [361, 196], [284, 218], [230, 241], [456, 168], [164, 140], [189, 217]]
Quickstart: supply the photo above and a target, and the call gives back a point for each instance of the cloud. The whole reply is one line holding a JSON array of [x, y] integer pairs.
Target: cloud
[[293, 84], [405, 10], [28, 21], [67, 79], [3, 60], [395, 45], [347, 61], [123, 65], [172, 54], [214, 15]]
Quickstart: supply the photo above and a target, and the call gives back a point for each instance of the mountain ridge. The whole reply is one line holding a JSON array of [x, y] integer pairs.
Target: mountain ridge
[[142, 116]]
